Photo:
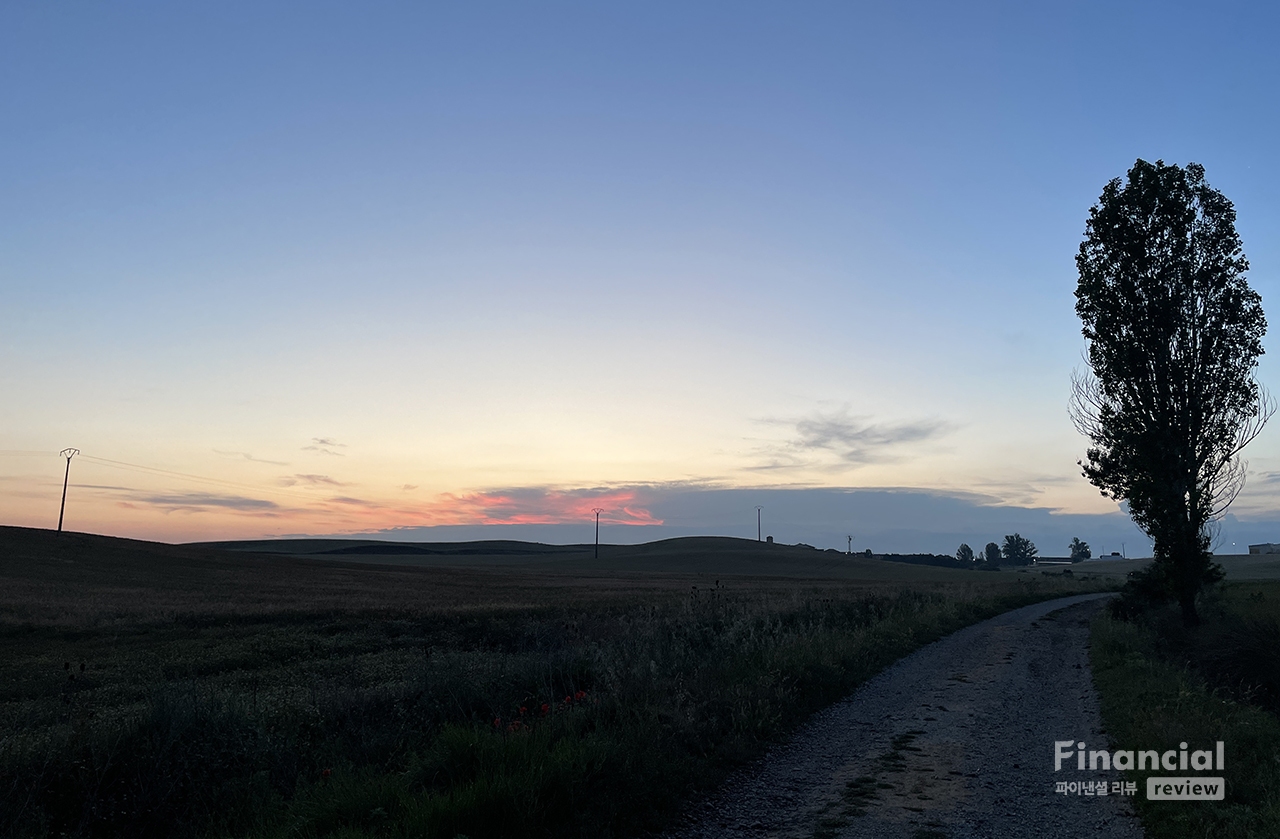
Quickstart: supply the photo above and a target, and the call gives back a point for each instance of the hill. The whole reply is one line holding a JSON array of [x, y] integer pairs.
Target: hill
[[704, 555]]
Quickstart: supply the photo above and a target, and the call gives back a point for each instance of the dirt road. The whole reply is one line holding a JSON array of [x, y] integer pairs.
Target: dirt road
[[954, 741]]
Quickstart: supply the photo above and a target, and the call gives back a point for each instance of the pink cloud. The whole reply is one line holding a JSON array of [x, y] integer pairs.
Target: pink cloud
[[350, 513], [540, 505]]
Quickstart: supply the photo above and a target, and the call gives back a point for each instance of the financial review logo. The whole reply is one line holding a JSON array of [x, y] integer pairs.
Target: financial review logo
[[1159, 788]]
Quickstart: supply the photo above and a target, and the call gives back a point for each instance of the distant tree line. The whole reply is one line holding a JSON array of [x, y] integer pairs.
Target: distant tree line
[[1016, 550]]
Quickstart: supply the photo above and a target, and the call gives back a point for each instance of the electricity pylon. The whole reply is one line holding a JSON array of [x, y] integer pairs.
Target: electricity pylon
[[68, 454]]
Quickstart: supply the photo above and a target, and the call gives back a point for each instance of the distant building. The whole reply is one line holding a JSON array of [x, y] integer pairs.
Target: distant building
[[1265, 548]]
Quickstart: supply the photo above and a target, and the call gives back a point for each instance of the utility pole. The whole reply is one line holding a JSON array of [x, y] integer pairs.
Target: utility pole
[[597, 511], [758, 509], [850, 551], [68, 454]]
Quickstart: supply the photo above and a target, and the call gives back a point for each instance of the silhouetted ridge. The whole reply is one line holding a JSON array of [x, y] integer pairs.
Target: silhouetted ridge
[[479, 549]]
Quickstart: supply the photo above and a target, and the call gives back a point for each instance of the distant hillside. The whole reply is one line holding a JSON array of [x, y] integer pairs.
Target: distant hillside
[[720, 555], [374, 547], [933, 560]]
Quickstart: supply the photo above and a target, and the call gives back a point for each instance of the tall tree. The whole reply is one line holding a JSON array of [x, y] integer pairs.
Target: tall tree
[[1018, 550], [1174, 334], [964, 554], [1080, 551], [991, 553]]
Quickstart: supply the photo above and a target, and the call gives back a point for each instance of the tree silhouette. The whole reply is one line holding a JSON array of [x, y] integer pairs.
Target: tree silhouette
[[964, 554], [1174, 335], [1018, 550], [1080, 551], [991, 553]]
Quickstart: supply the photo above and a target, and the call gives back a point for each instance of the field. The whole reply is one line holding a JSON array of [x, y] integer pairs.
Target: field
[[516, 690]]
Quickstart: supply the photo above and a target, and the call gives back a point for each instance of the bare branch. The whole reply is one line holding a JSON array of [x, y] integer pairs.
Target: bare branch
[[1085, 407]]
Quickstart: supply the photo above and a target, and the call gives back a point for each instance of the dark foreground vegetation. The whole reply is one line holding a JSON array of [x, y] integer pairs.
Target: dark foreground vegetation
[[1162, 683], [154, 691]]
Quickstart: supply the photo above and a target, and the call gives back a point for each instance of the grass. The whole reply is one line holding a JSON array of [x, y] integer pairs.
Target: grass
[[1160, 684], [155, 690]]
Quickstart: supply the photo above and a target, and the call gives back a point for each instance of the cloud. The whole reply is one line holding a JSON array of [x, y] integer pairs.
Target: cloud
[[1024, 491], [542, 505], [249, 457], [310, 480], [325, 445], [354, 502], [852, 440], [188, 502], [409, 487], [195, 502]]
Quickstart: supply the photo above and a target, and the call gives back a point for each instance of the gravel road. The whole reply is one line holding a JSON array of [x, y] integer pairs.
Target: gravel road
[[955, 741]]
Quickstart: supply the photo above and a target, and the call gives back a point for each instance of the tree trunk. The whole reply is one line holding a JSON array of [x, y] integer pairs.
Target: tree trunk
[[1190, 617], [1189, 560]]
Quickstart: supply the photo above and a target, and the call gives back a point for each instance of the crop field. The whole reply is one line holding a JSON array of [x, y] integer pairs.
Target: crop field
[[153, 690]]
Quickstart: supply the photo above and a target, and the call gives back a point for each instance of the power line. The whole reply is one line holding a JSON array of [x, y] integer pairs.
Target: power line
[[153, 470]]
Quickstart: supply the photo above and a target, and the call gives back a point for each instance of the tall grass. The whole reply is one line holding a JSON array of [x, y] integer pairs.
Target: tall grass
[[1160, 684], [577, 719]]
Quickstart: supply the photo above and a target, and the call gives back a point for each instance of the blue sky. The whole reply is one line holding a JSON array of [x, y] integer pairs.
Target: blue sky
[[561, 250]]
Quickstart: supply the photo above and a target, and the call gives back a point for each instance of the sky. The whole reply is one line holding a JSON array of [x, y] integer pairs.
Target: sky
[[461, 270]]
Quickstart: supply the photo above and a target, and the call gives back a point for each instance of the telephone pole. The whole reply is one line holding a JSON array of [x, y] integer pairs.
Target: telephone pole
[[758, 509], [597, 511], [68, 454], [850, 551]]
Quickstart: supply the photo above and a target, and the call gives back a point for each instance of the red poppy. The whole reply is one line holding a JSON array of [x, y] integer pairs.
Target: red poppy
[[324, 773], [568, 700], [497, 722], [523, 710], [580, 695], [546, 709]]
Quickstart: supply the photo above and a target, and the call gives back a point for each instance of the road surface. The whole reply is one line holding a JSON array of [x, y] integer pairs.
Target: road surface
[[955, 741]]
